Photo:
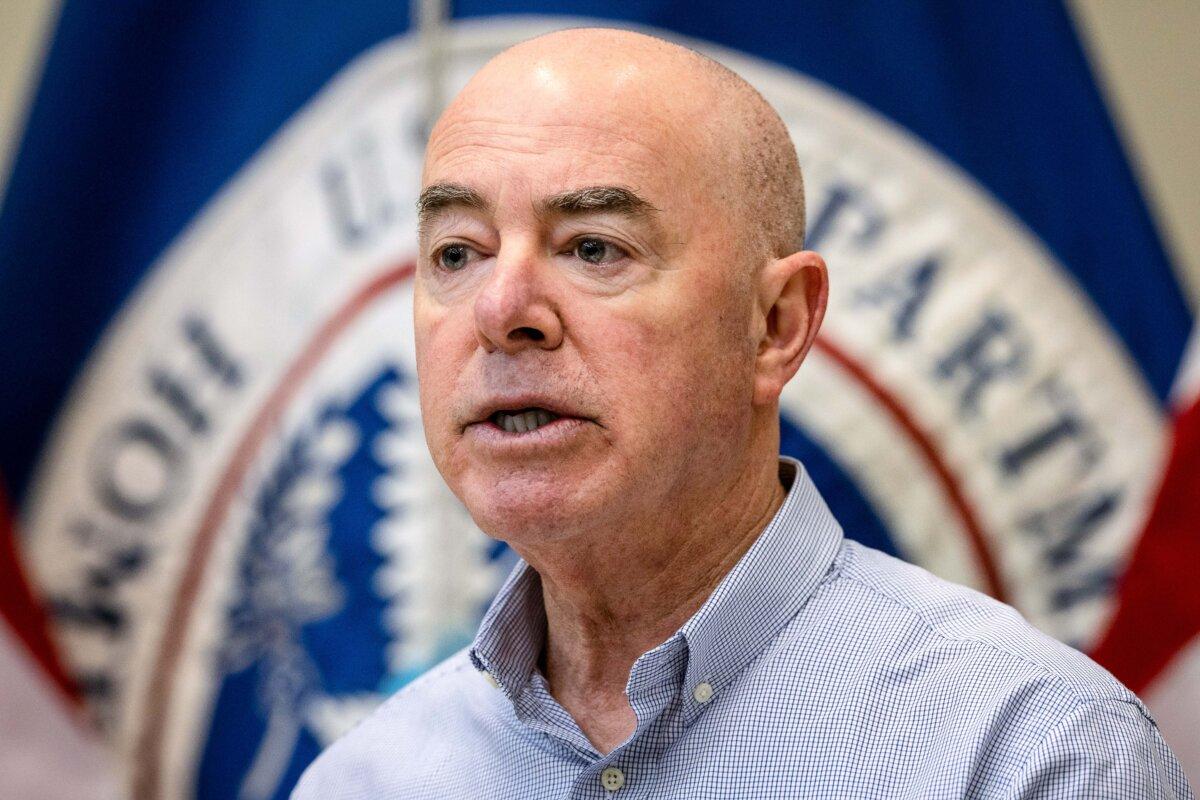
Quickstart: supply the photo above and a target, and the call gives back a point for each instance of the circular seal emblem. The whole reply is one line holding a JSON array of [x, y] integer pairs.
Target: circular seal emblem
[[243, 539]]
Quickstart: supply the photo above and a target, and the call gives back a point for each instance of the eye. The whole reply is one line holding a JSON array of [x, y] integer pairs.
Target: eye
[[598, 251], [453, 257]]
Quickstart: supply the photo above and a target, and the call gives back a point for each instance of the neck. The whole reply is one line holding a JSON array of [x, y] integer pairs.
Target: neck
[[612, 596]]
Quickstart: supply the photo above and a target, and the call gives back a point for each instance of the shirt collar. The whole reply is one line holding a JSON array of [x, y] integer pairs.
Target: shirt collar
[[513, 630], [763, 591], [766, 588]]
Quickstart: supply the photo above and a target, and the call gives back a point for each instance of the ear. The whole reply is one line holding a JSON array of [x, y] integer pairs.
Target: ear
[[793, 293]]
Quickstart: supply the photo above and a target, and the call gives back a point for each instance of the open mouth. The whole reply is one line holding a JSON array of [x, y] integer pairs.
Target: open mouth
[[525, 420]]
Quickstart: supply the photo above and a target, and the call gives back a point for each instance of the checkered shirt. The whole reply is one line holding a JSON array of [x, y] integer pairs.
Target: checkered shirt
[[818, 668]]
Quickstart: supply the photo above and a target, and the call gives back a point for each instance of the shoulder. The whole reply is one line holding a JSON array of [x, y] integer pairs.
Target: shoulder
[[1101, 749], [928, 614], [417, 725], [977, 690], [968, 677]]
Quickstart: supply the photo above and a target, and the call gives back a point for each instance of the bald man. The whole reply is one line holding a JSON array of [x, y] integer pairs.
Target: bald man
[[612, 293]]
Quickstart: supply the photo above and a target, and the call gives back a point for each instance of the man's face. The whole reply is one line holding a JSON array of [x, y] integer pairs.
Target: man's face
[[583, 328]]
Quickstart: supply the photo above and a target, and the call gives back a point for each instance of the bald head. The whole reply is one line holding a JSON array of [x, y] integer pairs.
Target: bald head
[[722, 137], [768, 182], [610, 255]]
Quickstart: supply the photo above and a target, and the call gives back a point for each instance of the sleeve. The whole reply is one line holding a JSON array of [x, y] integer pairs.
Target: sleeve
[[317, 783], [1102, 749]]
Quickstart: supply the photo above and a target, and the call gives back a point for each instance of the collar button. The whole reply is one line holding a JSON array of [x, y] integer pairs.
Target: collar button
[[703, 692]]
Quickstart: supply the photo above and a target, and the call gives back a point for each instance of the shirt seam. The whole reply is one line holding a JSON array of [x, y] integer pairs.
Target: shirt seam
[[1081, 704], [1076, 693]]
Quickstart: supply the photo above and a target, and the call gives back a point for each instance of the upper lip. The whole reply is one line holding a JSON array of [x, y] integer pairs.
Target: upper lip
[[484, 410]]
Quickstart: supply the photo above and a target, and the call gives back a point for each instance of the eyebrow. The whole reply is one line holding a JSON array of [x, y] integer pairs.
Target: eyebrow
[[441, 196], [589, 200], [603, 199]]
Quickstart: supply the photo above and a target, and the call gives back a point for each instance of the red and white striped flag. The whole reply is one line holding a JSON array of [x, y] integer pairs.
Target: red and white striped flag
[[1153, 643], [47, 751]]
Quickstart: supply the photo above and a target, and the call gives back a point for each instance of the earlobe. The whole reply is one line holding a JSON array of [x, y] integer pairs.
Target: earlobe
[[795, 291]]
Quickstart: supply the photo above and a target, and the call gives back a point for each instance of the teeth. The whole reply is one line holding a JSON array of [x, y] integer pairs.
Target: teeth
[[524, 421]]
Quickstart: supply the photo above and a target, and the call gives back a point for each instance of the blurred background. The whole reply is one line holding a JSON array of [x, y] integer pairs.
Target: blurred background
[[1142, 54], [221, 539]]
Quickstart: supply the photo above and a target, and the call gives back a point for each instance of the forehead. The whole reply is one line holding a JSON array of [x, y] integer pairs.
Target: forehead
[[516, 161], [553, 135]]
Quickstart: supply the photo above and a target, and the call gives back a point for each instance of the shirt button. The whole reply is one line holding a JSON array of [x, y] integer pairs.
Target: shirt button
[[490, 678], [612, 779], [703, 692]]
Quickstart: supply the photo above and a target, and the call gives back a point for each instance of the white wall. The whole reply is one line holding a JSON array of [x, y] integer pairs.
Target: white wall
[[1147, 57], [25, 26]]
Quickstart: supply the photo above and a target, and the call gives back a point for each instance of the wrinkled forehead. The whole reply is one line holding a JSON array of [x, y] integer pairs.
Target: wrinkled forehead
[[535, 127]]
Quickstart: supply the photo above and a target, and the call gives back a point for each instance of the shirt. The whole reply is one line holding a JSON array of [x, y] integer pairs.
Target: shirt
[[817, 668]]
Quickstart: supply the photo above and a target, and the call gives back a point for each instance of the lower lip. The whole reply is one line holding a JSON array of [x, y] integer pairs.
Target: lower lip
[[554, 432]]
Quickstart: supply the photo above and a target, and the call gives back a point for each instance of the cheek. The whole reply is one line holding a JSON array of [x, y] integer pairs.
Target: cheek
[[439, 357], [676, 373]]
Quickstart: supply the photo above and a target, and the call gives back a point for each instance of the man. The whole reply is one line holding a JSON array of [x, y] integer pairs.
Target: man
[[612, 293]]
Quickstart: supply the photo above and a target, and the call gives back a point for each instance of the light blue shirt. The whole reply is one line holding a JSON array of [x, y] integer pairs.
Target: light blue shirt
[[818, 668]]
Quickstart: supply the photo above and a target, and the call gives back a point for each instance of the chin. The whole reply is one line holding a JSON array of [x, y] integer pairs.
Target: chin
[[530, 506]]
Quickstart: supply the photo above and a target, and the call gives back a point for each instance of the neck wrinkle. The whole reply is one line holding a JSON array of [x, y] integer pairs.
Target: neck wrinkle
[[605, 610]]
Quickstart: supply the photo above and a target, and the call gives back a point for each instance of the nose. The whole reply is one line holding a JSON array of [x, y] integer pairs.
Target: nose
[[514, 309]]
